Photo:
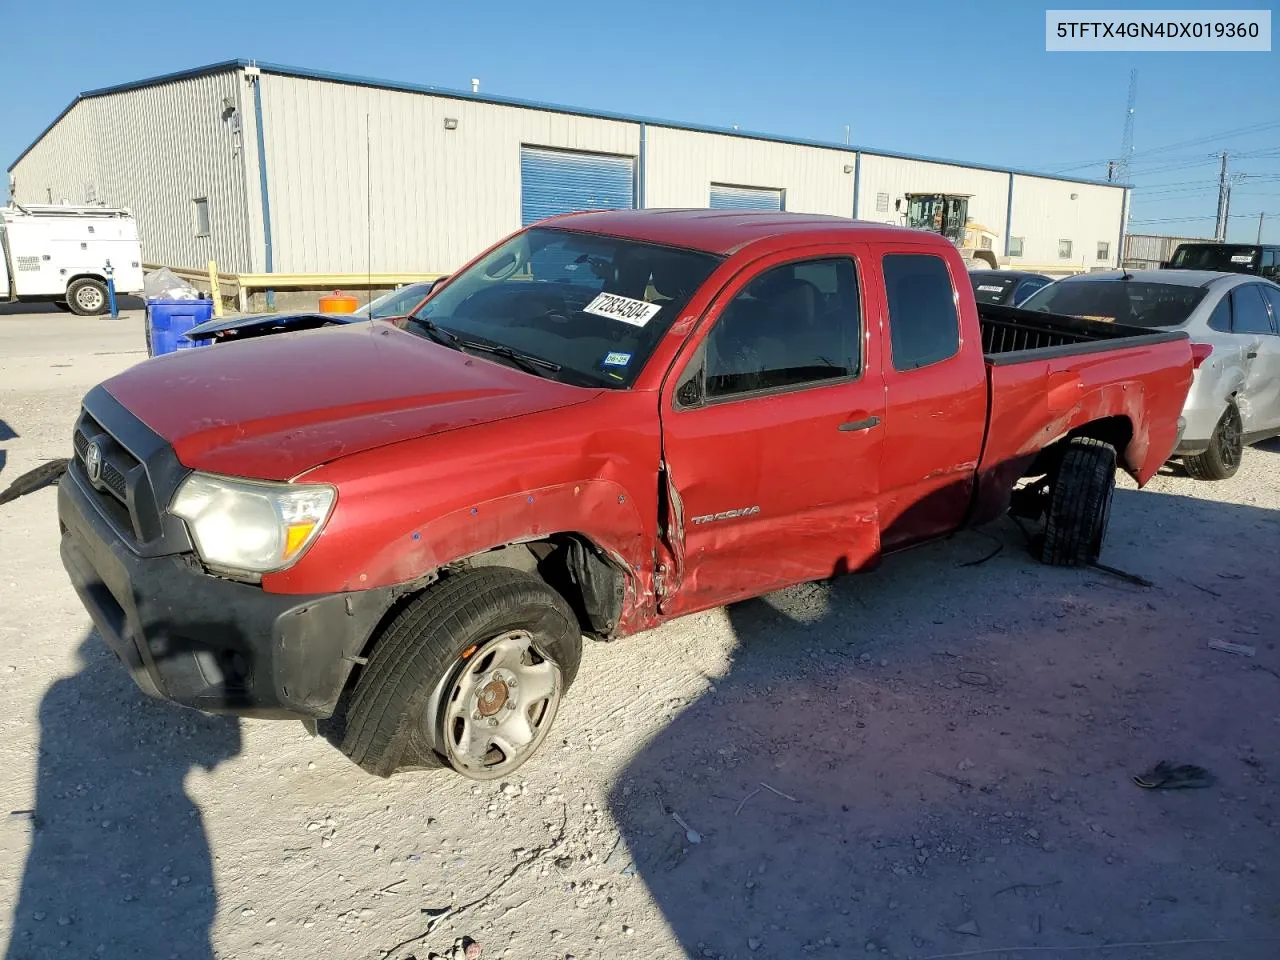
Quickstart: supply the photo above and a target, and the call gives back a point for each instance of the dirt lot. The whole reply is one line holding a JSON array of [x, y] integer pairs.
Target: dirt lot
[[930, 761]]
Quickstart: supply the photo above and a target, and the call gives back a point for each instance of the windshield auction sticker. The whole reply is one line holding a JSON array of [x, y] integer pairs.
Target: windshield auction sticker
[[623, 309]]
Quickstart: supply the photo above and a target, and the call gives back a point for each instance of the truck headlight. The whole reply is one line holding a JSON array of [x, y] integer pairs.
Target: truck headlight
[[251, 526]]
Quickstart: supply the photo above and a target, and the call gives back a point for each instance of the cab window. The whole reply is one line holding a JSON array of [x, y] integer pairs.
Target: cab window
[[793, 325]]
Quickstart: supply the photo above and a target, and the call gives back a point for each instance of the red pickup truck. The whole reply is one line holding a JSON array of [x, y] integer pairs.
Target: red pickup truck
[[603, 422]]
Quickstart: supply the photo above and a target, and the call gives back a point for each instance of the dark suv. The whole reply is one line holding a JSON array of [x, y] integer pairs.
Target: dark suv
[[1261, 260]]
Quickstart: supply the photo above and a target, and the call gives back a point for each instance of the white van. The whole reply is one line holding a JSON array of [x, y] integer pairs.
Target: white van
[[64, 254]]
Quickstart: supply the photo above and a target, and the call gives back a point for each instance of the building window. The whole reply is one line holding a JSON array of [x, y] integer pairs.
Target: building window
[[1015, 246], [882, 203], [202, 216], [1064, 249], [923, 325], [1104, 250]]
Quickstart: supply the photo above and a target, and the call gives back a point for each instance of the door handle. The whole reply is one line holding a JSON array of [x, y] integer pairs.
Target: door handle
[[855, 425], [1252, 355]]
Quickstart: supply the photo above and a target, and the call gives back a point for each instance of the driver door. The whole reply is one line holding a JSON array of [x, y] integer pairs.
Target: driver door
[[772, 434]]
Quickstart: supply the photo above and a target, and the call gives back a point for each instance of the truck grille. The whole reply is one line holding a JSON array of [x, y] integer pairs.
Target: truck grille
[[109, 478], [128, 472]]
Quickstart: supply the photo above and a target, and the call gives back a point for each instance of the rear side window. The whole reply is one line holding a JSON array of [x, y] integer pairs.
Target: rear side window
[[923, 325], [1027, 288], [1250, 311], [1220, 319], [1271, 264]]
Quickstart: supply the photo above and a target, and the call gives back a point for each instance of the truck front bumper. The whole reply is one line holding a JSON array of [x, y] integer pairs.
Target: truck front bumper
[[205, 642]]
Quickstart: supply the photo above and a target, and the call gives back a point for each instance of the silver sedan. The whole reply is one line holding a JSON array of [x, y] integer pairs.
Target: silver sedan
[[1234, 323]]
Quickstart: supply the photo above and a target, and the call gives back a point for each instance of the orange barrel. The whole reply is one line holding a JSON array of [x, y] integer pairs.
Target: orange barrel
[[338, 302]]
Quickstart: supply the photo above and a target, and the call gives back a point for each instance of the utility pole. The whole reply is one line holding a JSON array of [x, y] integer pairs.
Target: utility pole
[[1260, 218], [1224, 193]]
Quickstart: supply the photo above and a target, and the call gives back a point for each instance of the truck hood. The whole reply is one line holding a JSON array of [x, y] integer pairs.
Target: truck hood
[[273, 408]]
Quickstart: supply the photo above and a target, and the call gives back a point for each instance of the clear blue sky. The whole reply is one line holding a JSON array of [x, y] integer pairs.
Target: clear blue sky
[[948, 79]]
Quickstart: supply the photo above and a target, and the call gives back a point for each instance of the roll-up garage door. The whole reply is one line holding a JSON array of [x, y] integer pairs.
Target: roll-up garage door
[[560, 181], [724, 197]]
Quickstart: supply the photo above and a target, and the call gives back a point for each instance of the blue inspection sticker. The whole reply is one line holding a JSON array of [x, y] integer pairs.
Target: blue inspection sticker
[[616, 359]]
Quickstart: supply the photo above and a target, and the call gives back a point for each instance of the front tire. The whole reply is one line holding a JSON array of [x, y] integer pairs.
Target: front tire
[[469, 674], [87, 297], [1080, 504], [1226, 448]]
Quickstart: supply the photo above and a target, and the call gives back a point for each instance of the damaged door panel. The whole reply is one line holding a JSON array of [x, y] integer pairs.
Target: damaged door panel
[[773, 489]]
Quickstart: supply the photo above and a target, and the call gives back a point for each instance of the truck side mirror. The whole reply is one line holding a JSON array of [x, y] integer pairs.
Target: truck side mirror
[[689, 393]]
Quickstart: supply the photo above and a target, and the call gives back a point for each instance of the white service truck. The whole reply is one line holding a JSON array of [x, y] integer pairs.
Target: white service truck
[[64, 254]]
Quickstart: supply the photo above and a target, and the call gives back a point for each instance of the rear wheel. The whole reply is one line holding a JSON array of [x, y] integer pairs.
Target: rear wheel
[[1226, 447], [87, 297], [1080, 504], [469, 674]]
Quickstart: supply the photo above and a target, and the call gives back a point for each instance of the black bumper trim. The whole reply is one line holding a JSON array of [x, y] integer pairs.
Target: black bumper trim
[[208, 643]]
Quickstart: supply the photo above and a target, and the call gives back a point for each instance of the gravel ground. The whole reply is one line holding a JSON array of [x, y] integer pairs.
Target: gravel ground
[[930, 761]]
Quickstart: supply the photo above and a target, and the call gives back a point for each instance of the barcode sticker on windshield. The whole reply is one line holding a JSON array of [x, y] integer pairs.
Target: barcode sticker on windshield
[[624, 309], [1242, 258]]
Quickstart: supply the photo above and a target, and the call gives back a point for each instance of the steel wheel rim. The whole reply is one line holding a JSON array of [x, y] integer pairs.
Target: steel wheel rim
[[1230, 447], [89, 297], [499, 706]]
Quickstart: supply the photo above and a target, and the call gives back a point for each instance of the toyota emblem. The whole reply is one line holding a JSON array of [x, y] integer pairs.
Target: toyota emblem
[[93, 463]]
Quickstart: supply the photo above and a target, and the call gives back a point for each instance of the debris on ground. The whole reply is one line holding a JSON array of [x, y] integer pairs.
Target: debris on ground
[[1239, 649], [1168, 776], [37, 479]]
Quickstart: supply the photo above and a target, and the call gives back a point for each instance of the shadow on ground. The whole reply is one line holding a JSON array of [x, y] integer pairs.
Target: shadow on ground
[[123, 302], [6, 433], [968, 792], [119, 864]]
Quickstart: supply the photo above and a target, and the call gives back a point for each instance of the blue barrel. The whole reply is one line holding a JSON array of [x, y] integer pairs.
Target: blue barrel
[[168, 320]]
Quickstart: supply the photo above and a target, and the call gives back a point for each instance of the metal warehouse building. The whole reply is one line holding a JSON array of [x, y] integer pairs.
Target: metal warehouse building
[[271, 169]]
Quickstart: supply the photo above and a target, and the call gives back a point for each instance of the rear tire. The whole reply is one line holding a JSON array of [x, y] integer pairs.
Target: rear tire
[[87, 297], [1226, 447], [1080, 504], [436, 667]]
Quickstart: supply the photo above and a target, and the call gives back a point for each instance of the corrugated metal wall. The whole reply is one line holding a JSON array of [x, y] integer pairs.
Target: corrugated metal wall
[[681, 165], [1045, 213], [439, 196], [1151, 248], [896, 177], [153, 150]]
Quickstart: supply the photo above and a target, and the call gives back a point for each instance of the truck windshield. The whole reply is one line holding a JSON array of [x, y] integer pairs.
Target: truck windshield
[[1130, 302], [1229, 257], [594, 307]]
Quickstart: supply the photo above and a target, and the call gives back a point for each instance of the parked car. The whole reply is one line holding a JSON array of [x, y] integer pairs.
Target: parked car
[[1234, 324], [604, 422], [395, 303], [1006, 287], [1262, 260]]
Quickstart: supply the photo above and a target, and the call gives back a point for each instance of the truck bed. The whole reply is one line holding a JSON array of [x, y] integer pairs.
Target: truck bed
[[1048, 373], [1012, 335]]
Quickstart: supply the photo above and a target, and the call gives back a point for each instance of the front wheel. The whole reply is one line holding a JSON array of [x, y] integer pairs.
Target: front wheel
[[1080, 504], [1226, 448], [469, 674]]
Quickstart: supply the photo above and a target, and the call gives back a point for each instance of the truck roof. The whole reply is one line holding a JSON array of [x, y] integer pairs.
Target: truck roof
[[726, 231]]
